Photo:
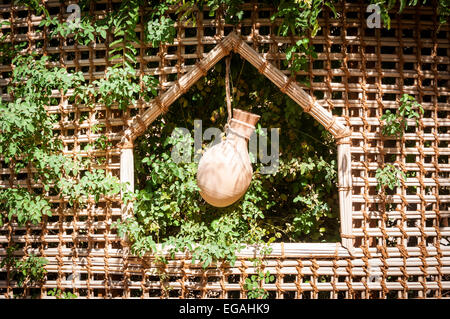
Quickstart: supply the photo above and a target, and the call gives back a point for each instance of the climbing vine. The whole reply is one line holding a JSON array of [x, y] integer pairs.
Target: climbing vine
[[389, 176], [120, 88], [386, 7], [29, 142], [298, 203], [27, 270], [395, 124]]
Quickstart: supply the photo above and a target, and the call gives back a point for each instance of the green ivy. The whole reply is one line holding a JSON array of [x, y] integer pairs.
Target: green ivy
[[232, 10], [34, 5], [299, 17], [389, 176], [83, 30], [443, 9], [23, 204], [28, 141], [119, 87], [58, 294], [395, 124], [298, 55], [181, 222], [123, 22], [161, 30], [26, 271], [254, 283]]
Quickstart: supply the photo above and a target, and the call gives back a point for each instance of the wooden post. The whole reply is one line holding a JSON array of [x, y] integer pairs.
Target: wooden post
[[345, 191], [127, 176]]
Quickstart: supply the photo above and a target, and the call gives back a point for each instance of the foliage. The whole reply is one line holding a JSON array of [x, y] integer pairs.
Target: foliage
[[34, 5], [119, 87], [27, 135], [28, 140], [24, 205], [162, 30], [27, 131], [297, 56], [183, 221], [30, 270], [7, 49], [315, 209], [297, 203], [94, 183], [396, 123], [26, 271], [389, 176], [231, 8], [83, 30], [393, 124], [300, 16], [160, 27], [61, 294], [254, 283], [443, 9], [123, 22], [290, 205]]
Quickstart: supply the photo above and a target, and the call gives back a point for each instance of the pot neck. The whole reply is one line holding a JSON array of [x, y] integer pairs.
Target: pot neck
[[235, 137]]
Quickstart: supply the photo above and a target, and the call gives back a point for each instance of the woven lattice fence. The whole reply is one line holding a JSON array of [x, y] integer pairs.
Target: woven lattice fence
[[402, 252]]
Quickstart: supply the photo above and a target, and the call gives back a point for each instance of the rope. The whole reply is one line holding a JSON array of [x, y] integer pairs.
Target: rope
[[227, 88], [229, 129], [243, 123]]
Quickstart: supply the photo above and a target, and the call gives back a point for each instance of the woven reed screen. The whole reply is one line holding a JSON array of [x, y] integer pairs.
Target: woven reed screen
[[403, 252]]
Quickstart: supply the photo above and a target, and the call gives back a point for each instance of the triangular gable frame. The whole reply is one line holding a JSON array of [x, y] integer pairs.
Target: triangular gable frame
[[160, 104], [232, 42]]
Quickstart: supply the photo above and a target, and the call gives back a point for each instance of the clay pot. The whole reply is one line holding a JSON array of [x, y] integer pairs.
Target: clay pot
[[225, 171]]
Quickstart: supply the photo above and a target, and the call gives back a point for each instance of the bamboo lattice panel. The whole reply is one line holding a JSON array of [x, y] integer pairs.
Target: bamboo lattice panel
[[359, 72]]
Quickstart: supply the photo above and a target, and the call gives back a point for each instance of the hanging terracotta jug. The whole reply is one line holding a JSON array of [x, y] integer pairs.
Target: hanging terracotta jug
[[225, 171]]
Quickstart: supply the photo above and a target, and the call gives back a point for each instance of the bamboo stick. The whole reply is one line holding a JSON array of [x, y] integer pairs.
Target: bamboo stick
[[345, 191]]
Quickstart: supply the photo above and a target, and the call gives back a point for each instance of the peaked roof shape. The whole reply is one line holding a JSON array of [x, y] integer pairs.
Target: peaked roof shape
[[232, 41]]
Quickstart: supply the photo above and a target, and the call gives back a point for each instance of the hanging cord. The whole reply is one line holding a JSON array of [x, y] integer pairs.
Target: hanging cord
[[228, 128], [228, 98], [227, 88]]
